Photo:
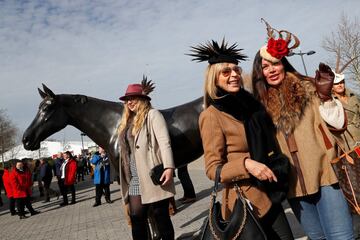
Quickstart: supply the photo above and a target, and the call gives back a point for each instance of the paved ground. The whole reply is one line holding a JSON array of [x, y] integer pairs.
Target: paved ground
[[82, 221]]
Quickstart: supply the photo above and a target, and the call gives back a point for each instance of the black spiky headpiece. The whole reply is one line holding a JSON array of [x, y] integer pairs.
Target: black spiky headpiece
[[213, 53]]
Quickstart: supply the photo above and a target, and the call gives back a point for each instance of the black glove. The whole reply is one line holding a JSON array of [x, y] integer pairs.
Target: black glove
[[324, 80]]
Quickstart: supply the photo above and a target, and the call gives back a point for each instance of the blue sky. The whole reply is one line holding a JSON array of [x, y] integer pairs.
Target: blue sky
[[97, 48]]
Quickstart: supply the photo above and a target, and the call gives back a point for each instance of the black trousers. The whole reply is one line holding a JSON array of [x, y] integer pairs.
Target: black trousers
[[100, 189], [12, 205], [21, 203], [186, 183], [275, 224], [139, 219], [48, 191], [64, 190]]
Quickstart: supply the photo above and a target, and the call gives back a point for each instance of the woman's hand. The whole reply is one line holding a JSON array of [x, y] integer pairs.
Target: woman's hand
[[259, 170], [167, 176]]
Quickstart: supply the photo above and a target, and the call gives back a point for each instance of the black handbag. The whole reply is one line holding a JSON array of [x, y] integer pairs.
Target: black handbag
[[156, 173], [242, 224]]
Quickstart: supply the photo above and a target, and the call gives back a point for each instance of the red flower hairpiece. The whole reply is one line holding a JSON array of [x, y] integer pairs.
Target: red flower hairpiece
[[277, 48], [278, 45]]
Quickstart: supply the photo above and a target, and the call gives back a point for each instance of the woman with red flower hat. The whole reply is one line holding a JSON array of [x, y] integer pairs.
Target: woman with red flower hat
[[301, 109], [238, 140], [145, 143]]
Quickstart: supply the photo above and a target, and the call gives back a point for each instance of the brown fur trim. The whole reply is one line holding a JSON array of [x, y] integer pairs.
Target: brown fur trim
[[286, 104]]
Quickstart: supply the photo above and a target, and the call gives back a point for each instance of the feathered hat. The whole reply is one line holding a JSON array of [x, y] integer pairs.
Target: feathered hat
[[139, 90], [213, 53], [278, 45]]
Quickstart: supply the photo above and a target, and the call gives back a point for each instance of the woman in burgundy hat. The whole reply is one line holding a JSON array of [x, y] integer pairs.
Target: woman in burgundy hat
[[144, 144]]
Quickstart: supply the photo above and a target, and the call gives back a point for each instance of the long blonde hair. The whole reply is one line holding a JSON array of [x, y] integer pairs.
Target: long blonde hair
[[143, 106]]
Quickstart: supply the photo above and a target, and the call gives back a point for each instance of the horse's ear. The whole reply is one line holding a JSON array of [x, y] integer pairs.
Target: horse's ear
[[48, 91], [42, 94]]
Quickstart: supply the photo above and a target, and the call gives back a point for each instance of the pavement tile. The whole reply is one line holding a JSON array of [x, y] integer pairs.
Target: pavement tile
[[107, 222]]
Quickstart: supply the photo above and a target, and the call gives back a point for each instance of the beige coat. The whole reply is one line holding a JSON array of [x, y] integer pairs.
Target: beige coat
[[146, 158], [224, 143], [314, 156], [351, 136]]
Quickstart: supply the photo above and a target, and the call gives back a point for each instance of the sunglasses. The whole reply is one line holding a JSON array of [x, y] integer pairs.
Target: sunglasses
[[341, 82], [226, 71]]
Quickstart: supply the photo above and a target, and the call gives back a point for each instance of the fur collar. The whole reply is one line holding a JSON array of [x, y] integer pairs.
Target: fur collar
[[286, 104]]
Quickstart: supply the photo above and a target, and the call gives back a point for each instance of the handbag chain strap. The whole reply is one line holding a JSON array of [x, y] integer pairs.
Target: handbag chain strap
[[212, 202]]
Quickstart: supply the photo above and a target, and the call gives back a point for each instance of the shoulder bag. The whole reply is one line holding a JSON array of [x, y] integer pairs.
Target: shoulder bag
[[241, 225], [347, 170]]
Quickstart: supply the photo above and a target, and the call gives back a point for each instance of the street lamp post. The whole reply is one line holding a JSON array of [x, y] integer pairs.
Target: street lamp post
[[301, 54], [82, 141]]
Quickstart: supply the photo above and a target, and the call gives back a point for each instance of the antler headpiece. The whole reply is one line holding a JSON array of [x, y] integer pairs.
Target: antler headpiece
[[213, 53], [278, 45]]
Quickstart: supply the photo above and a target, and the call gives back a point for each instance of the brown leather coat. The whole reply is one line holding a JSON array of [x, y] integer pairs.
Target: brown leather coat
[[224, 142]]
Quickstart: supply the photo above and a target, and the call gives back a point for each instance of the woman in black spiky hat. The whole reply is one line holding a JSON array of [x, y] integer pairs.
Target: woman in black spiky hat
[[237, 134], [145, 143]]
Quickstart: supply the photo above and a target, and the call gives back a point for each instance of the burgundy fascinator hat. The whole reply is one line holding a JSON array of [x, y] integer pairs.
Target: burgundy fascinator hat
[[279, 44], [139, 90]]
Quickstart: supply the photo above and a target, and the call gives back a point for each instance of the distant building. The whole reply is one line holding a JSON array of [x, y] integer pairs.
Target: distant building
[[48, 149]]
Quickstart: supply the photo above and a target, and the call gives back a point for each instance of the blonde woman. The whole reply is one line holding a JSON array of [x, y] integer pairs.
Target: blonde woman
[[145, 143], [230, 138]]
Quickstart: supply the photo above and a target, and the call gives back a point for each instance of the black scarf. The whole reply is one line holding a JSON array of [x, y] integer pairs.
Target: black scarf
[[260, 135]]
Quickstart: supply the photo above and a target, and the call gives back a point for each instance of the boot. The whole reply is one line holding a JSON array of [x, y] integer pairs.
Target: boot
[[33, 213], [172, 207]]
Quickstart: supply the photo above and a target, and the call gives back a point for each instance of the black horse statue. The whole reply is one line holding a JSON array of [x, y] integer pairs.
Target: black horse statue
[[99, 119]]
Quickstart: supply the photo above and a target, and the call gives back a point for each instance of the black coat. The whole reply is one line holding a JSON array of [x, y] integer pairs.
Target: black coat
[[46, 173]]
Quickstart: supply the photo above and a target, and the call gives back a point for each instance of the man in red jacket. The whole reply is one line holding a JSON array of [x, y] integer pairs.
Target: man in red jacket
[[9, 189], [21, 183], [68, 176]]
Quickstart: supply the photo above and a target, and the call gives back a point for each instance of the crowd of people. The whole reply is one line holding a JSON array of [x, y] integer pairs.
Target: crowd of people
[[273, 143], [19, 176]]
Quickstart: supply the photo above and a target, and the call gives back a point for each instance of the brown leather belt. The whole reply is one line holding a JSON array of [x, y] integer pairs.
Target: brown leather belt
[[290, 140]]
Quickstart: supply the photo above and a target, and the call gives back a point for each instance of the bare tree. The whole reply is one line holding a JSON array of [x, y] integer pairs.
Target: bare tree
[[8, 134], [345, 45]]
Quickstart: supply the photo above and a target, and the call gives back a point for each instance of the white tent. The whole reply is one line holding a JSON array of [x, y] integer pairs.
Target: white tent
[[47, 149]]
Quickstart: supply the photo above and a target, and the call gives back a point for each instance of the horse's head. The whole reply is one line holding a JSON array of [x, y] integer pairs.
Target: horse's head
[[49, 119]]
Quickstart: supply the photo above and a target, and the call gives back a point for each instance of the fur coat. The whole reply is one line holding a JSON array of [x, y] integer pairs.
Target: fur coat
[[294, 108]]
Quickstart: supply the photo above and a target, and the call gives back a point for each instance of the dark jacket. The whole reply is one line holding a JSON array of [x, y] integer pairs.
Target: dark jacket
[[58, 163], [45, 173]]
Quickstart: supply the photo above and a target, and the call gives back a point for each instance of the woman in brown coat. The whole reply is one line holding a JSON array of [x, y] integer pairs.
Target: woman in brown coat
[[351, 104], [298, 106], [145, 143], [225, 127]]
